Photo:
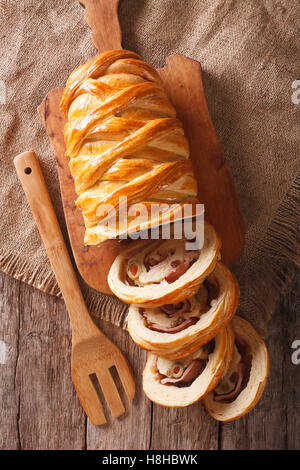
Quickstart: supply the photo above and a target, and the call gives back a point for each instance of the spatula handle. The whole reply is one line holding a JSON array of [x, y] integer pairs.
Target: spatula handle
[[32, 180], [102, 18]]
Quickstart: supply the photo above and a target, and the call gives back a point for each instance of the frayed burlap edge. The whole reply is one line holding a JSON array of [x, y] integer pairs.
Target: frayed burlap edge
[[278, 260], [106, 307], [40, 277], [276, 264]]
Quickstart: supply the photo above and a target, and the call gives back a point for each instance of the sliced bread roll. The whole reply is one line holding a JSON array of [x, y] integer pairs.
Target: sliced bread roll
[[176, 330], [242, 385], [151, 273], [184, 381]]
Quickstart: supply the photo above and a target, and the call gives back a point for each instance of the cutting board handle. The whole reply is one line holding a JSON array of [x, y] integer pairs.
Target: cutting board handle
[[102, 18]]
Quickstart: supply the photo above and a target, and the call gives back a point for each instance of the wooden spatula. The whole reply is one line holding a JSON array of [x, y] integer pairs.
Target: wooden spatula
[[92, 352]]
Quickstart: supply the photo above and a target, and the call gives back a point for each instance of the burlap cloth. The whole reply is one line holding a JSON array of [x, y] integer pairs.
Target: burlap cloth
[[249, 52]]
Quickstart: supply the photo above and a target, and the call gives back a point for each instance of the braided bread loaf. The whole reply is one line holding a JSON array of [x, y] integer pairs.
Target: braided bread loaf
[[123, 139]]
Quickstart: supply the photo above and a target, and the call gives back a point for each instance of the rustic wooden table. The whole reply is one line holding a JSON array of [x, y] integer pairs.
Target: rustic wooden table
[[39, 408]]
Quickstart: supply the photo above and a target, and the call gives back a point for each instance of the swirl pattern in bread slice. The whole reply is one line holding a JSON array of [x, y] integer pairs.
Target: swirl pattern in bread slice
[[168, 281], [251, 376], [173, 331], [177, 394]]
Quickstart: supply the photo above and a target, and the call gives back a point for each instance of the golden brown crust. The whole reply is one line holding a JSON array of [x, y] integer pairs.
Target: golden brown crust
[[176, 345], [250, 395], [123, 139]]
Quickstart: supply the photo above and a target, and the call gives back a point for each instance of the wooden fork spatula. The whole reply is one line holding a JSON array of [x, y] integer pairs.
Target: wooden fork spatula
[[92, 352]]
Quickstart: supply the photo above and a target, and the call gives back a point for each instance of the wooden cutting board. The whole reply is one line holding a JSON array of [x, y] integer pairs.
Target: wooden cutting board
[[183, 81]]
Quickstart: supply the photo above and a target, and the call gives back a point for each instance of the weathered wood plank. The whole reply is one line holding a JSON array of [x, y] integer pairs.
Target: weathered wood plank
[[50, 416], [39, 408], [183, 428], [274, 422], [133, 429], [9, 336]]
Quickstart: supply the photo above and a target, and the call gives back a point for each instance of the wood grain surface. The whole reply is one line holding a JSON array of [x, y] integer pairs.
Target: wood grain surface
[[40, 410], [102, 18]]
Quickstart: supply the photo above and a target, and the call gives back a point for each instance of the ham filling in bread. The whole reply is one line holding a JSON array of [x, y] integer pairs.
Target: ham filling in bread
[[237, 376], [184, 371], [173, 318], [165, 263]]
